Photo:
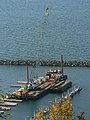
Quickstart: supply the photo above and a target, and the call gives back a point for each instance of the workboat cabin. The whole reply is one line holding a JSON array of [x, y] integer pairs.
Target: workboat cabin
[[56, 74]]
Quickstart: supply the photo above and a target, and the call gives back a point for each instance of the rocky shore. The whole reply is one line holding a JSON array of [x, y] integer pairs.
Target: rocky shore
[[46, 63]]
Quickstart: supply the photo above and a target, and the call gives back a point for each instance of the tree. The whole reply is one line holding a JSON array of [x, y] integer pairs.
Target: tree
[[59, 110]]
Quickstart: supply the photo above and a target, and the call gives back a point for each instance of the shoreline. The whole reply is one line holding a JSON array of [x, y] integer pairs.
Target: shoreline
[[73, 63]]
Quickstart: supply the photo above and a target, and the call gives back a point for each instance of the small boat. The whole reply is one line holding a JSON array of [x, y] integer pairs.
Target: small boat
[[12, 100], [76, 90], [57, 73], [16, 85], [8, 104], [46, 11], [5, 108]]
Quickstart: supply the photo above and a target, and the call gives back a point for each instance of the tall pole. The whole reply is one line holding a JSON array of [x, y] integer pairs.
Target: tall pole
[[62, 63], [27, 76]]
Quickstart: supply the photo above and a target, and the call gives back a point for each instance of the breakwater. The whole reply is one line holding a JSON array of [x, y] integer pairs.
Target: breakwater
[[46, 63]]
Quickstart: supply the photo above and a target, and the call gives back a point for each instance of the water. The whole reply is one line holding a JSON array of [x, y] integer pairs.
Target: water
[[26, 33], [78, 75]]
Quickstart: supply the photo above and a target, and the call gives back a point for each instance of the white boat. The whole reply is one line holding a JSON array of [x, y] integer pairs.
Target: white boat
[[8, 104], [5, 108], [12, 100], [46, 12]]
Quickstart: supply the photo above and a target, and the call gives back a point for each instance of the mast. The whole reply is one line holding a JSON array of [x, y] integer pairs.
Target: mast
[[62, 63], [27, 76]]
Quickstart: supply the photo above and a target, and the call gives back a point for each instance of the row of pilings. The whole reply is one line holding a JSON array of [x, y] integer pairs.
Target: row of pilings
[[46, 63]]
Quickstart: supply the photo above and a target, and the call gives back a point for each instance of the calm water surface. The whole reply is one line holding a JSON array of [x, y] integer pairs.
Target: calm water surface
[[26, 33]]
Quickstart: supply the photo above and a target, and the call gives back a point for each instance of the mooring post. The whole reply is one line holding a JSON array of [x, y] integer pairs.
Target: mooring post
[[62, 63], [27, 76]]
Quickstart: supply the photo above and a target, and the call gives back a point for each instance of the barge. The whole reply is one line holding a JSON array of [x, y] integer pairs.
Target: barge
[[62, 87], [53, 81], [42, 89]]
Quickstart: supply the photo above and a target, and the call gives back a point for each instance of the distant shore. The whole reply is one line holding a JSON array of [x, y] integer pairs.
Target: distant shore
[[46, 63]]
